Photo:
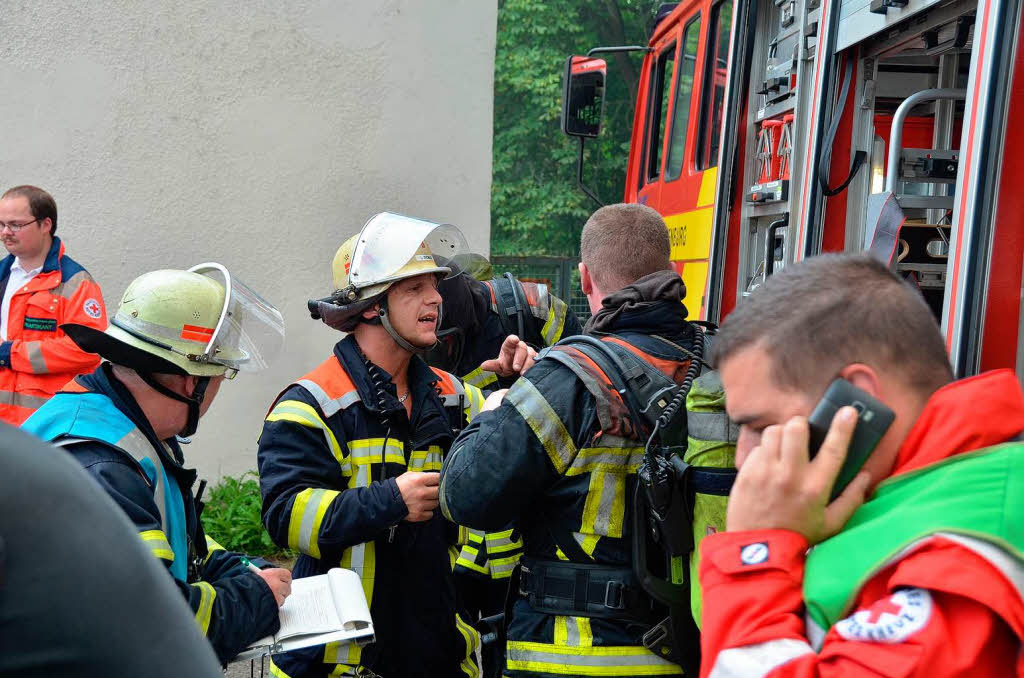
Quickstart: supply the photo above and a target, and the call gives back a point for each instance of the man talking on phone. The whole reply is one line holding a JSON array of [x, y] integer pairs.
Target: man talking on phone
[[917, 565]]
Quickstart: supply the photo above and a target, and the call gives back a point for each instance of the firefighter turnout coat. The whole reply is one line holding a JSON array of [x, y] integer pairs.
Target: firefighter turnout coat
[[543, 462], [97, 421], [38, 358], [924, 580], [332, 446]]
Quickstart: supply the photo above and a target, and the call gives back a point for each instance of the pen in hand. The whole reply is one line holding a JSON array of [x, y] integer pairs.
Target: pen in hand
[[245, 561]]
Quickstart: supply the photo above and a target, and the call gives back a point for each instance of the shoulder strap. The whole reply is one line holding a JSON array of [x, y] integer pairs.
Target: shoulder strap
[[513, 308]]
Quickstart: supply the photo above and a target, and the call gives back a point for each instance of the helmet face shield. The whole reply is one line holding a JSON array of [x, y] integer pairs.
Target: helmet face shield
[[392, 246], [250, 332]]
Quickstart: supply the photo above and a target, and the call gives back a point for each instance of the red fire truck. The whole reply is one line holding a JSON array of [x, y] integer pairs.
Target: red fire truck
[[767, 131]]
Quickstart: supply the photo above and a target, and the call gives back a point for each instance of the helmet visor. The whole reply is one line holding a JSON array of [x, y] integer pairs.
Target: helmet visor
[[250, 334], [391, 246]]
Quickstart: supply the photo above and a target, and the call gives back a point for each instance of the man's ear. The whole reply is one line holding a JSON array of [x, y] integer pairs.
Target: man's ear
[[586, 284], [863, 377], [372, 312]]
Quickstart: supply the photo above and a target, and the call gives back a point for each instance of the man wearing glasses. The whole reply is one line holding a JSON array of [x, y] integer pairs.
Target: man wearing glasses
[[42, 289]]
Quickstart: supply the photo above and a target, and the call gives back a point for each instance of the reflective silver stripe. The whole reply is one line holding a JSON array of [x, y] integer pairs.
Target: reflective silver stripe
[[136, 444], [328, 406], [35, 357], [610, 483], [1011, 568], [711, 426], [480, 378], [757, 661], [460, 397], [540, 311], [572, 632], [72, 284], [546, 425], [815, 634], [309, 515], [22, 400]]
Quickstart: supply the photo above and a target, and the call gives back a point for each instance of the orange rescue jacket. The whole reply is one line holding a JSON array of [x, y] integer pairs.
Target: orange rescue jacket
[[38, 358]]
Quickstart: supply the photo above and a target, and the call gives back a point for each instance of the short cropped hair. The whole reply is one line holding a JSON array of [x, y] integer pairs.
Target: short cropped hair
[[41, 203], [622, 243], [819, 315]]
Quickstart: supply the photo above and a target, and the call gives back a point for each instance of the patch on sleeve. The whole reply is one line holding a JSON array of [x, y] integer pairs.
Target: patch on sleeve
[[754, 554], [889, 620], [92, 308]]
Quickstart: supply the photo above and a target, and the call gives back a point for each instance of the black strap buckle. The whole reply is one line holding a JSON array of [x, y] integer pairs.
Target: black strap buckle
[[615, 595], [656, 636]]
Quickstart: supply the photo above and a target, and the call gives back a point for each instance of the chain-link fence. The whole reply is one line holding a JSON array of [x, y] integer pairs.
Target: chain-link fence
[[560, 274]]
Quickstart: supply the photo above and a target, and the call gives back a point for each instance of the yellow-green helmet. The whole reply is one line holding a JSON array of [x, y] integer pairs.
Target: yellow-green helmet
[[185, 322]]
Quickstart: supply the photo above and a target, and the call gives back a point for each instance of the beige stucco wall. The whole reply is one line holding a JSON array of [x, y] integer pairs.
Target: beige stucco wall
[[259, 134]]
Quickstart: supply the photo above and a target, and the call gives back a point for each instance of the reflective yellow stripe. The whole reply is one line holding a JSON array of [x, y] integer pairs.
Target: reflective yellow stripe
[[552, 330], [471, 639], [587, 542], [499, 542], [275, 670], [613, 459], [343, 670], [368, 451], [605, 506], [300, 413], [207, 594], [501, 568], [480, 378], [212, 544], [156, 542], [474, 400], [611, 660], [546, 425], [361, 559], [426, 460], [573, 632], [307, 515], [467, 559]]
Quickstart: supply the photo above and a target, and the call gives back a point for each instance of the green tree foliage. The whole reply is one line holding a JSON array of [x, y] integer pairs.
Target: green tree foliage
[[536, 207]]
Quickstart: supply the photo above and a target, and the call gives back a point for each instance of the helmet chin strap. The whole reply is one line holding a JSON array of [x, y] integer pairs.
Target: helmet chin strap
[[194, 402], [399, 339]]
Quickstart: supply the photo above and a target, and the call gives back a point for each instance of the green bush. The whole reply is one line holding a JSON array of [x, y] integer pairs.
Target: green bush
[[232, 517]]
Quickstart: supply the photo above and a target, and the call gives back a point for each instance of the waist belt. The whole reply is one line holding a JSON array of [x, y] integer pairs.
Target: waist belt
[[581, 590]]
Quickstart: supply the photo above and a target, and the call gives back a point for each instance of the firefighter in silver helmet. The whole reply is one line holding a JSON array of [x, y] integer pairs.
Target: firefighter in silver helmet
[[350, 453]]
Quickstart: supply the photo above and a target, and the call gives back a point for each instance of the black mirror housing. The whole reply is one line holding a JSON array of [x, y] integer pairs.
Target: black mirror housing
[[583, 95]]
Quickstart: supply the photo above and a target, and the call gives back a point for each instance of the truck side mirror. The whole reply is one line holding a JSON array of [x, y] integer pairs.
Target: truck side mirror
[[583, 96]]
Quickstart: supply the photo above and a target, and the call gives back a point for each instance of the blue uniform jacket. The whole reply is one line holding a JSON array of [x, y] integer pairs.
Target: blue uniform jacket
[[331, 448], [232, 606]]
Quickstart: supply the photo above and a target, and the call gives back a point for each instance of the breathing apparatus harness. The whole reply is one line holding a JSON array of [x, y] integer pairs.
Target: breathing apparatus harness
[[662, 516]]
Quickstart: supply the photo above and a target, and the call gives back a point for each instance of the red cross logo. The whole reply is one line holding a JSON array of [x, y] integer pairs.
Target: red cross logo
[[881, 607]]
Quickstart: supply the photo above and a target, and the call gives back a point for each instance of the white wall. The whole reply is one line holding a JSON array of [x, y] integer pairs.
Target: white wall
[[259, 134]]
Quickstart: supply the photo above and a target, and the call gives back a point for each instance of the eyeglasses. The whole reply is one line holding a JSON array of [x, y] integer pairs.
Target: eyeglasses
[[14, 228]]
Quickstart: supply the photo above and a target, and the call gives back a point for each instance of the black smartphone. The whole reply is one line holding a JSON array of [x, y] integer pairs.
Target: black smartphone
[[873, 420]]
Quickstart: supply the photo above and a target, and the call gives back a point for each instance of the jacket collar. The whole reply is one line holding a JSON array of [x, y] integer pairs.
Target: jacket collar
[[966, 415], [103, 381], [421, 378], [52, 262]]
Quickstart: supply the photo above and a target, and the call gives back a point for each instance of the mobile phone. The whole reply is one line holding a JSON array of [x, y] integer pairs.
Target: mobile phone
[[873, 420]]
